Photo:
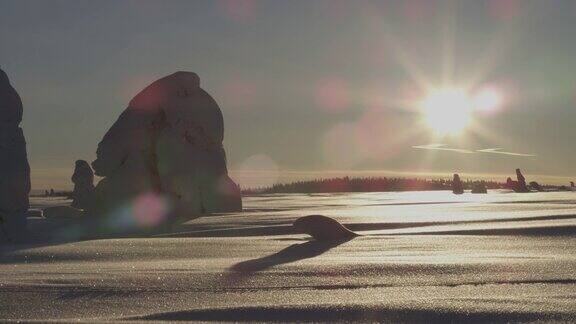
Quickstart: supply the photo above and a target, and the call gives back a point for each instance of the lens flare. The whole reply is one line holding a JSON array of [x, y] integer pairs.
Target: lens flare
[[149, 210], [239, 10], [487, 99], [332, 94]]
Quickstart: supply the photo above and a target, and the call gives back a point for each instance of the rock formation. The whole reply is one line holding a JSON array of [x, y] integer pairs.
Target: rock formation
[[479, 188], [14, 168], [536, 186], [83, 179], [510, 184], [167, 142], [521, 183], [457, 186]]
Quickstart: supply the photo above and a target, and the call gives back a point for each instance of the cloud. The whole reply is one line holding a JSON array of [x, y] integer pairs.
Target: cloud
[[442, 147], [497, 150]]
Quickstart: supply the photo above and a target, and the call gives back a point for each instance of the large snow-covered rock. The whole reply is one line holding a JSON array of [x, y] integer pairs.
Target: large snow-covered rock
[[14, 168], [10, 102], [167, 142], [83, 179]]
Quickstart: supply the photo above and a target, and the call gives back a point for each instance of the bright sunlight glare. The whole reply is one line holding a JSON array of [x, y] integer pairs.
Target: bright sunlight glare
[[447, 110]]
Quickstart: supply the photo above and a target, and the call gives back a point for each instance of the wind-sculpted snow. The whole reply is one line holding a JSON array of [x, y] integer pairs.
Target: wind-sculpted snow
[[421, 256]]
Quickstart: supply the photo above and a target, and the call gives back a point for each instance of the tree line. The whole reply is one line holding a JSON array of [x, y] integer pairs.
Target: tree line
[[366, 184]]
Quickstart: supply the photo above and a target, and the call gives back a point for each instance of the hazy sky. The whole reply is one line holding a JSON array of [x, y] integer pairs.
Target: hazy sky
[[307, 88]]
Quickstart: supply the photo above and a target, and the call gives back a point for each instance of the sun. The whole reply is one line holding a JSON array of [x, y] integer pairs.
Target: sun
[[447, 111]]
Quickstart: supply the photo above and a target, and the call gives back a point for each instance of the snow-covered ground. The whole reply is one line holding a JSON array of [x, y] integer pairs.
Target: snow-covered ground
[[422, 256]]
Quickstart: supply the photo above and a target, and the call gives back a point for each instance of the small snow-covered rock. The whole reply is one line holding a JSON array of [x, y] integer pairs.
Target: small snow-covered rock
[[479, 188], [83, 179]]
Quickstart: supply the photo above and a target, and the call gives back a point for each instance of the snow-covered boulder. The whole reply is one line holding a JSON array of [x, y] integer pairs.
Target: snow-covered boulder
[[83, 179], [521, 182], [167, 142], [457, 186], [479, 188], [14, 168]]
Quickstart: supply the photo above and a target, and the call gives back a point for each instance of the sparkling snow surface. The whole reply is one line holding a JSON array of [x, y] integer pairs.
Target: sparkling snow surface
[[422, 256]]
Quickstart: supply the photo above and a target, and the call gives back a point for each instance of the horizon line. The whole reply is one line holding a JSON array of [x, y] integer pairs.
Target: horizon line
[[251, 178]]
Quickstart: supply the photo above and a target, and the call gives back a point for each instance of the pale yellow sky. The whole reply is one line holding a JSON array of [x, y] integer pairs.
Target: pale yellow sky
[[308, 85]]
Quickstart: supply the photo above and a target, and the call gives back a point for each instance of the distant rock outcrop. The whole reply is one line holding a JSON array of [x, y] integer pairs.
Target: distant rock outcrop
[[510, 184], [521, 183], [536, 186], [167, 143], [457, 186], [14, 168], [479, 188], [83, 179]]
